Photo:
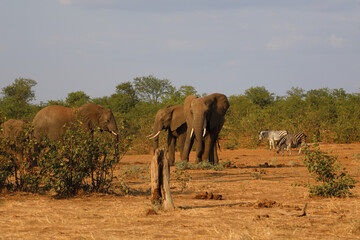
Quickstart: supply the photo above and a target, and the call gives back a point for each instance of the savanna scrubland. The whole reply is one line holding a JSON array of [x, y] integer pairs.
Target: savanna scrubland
[[264, 195]]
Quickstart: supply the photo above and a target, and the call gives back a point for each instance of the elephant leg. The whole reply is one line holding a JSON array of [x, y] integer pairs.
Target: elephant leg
[[207, 149], [187, 146], [199, 152], [216, 157], [181, 143], [213, 157], [171, 148]]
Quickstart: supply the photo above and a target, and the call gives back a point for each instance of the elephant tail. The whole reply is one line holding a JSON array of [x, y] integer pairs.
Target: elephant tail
[[218, 143]]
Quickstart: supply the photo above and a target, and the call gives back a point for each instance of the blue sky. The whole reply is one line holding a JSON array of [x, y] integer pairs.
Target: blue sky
[[222, 46]]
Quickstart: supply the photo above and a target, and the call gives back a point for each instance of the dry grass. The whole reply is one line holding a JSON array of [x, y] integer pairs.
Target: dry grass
[[243, 214]]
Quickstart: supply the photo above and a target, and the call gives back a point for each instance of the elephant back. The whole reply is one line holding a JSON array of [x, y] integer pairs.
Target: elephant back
[[51, 120]]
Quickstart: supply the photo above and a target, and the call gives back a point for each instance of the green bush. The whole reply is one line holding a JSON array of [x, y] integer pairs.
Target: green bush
[[325, 168], [7, 167], [16, 157], [80, 161]]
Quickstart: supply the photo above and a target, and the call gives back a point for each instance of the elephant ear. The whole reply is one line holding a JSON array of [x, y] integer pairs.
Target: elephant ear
[[177, 118], [219, 104], [90, 114]]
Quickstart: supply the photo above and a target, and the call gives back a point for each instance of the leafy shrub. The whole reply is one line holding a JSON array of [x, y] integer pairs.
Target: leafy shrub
[[325, 168], [16, 157], [7, 167], [80, 161]]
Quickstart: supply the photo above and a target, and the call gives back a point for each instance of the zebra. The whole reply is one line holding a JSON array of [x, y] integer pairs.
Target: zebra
[[291, 140], [272, 136]]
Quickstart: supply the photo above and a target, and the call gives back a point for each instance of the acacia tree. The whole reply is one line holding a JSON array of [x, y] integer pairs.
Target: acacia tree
[[151, 89], [16, 98], [177, 96], [124, 99]]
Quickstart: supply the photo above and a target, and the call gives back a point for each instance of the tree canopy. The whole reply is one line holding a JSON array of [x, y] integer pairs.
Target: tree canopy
[[330, 115], [16, 99]]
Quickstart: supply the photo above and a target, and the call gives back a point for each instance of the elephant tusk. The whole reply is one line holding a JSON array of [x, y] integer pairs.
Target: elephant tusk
[[192, 133], [204, 132], [155, 135], [149, 135], [114, 133]]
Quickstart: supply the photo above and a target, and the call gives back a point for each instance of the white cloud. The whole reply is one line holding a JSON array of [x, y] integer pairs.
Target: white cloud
[[279, 43], [336, 41]]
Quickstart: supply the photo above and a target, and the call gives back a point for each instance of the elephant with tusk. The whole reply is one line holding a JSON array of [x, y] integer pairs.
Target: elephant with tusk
[[172, 120], [51, 121], [205, 118]]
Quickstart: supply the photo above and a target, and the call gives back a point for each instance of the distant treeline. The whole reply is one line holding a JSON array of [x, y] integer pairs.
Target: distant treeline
[[325, 115]]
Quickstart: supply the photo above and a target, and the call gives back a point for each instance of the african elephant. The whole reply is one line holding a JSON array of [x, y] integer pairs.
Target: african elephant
[[171, 119], [51, 121], [13, 128], [205, 118]]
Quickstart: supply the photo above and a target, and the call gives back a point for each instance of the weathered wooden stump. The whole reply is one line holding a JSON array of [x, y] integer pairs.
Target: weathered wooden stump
[[160, 181]]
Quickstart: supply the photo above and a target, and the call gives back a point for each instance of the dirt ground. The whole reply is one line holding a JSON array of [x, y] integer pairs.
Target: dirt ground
[[258, 202]]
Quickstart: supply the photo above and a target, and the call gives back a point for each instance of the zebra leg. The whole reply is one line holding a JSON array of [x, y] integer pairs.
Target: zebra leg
[[289, 149]]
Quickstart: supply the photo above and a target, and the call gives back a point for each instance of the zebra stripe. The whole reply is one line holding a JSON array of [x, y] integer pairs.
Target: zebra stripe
[[291, 140], [272, 136]]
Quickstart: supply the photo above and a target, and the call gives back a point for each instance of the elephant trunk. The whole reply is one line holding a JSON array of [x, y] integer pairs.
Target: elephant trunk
[[112, 126], [199, 131]]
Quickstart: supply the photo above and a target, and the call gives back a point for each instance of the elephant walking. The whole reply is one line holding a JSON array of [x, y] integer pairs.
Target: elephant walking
[[51, 121], [172, 120], [205, 118]]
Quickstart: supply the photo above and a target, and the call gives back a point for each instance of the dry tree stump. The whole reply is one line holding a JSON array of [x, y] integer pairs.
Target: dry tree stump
[[160, 181]]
